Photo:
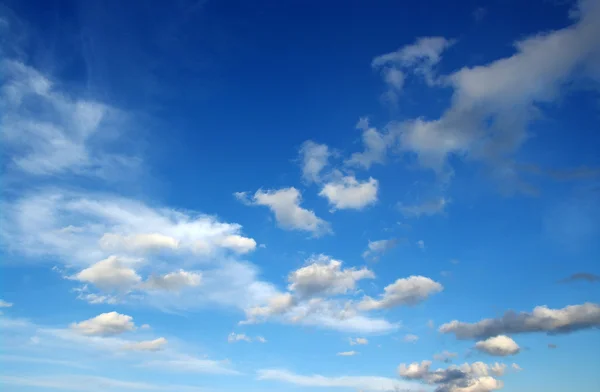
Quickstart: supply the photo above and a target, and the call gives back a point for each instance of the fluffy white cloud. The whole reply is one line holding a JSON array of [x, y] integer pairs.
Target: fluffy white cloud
[[405, 291], [277, 304], [105, 324], [113, 273], [135, 242], [542, 319], [325, 276], [285, 204], [473, 377], [349, 193], [347, 354], [356, 341], [501, 345], [377, 248], [375, 146], [493, 104], [173, 281], [361, 383], [314, 158], [146, 345]]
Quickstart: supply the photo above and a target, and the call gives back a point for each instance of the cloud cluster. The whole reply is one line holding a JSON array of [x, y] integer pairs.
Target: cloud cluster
[[541, 319]]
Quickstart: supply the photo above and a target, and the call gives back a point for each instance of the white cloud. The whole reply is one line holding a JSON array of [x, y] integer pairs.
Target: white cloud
[[47, 132], [143, 242], [349, 193], [421, 244], [542, 319], [410, 338], [347, 354], [261, 339], [516, 367], [356, 341], [405, 291], [189, 364], [173, 281], [85, 383], [377, 248], [277, 304], [428, 208], [113, 273], [146, 345], [105, 324], [501, 345], [325, 276], [314, 158], [375, 146], [285, 204], [493, 104], [4, 304], [238, 337], [360, 383]]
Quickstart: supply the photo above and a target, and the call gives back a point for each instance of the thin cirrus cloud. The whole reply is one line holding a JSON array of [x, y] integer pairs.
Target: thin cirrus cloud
[[376, 249]]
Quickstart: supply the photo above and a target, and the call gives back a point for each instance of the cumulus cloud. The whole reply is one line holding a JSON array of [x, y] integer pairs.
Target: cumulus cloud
[[285, 204], [105, 324], [146, 345], [542, 319], [404, 291], [361, 383], [375, 146], [347, 354], [467, 377], [314, 159], [356, 341], [277, 304], [501, 345], [376, 249], [325, 276], [173, 281], [493, 104], [112, 273], [349, 193]]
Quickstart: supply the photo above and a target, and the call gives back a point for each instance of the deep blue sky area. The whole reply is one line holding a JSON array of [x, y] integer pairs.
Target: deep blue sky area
[[372, 196]]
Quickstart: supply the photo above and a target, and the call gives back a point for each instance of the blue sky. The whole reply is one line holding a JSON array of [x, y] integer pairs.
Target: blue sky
[[300, 195]]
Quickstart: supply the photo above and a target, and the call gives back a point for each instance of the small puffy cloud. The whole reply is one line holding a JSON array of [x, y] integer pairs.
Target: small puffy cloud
[[427, 208], [404, 291], [542, 319], [137, 242], [375, 146], [410, 338], [349, 193], [146, 345], [501, 345], [347, 354], [377, 248], [445, 356], [314, 158], [285, 204], [112, 273], [261, 339], [356, 341], [105, 324], [358, 383], [516, 367], [4, 304], [325, 276], [173, 281], [238, 337], [581, 276], [421, 244], [276, 304]]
